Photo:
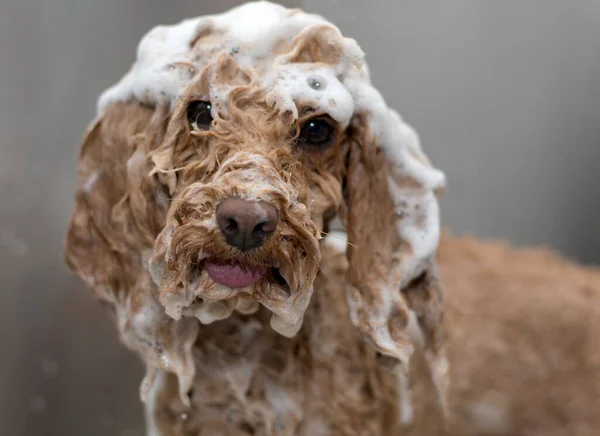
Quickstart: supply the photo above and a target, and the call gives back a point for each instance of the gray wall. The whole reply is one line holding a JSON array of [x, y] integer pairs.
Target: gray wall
[[505, 94]]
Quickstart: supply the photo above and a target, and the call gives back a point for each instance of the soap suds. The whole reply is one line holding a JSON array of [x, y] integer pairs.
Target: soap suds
[[406, 412], [337, 240], [254, 26], [151, 403]]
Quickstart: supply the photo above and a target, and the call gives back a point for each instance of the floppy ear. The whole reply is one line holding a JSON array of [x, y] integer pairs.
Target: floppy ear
[[392, 221], [97, 240], [119, 211]]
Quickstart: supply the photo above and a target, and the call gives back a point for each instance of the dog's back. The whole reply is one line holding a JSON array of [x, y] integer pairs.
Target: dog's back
[[524, 334]]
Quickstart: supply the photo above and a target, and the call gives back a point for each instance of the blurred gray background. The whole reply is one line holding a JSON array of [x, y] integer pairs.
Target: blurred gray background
[[505, 95]]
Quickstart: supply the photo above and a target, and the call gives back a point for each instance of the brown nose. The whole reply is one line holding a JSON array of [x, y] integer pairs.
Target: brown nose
[[246, 224]]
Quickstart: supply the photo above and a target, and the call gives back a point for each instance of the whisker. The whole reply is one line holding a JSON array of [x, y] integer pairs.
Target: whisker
[[321, 269], [329, 235]]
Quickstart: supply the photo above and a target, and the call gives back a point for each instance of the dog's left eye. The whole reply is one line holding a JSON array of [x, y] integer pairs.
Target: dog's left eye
[[316, 132], [199, 116]]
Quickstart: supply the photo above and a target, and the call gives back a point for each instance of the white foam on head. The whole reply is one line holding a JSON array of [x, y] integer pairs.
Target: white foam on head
[[166, 63]]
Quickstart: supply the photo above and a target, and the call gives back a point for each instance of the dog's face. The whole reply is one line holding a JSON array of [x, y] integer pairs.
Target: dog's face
[[251, 190], [251, 139]]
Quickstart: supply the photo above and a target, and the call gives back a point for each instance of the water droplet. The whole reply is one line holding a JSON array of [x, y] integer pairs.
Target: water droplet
[[37, 404], [317, 83]]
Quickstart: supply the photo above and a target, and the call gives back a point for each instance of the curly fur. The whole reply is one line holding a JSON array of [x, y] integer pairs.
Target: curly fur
[[149, 188], [524, 348], [326, 352], [523, 327]]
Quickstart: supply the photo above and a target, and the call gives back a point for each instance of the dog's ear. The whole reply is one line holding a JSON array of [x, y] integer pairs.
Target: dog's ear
[[391, 217], [94, 240], [119, 210], [116, 212]]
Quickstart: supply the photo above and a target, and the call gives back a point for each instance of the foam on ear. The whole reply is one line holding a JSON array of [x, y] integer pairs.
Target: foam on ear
[[412, 182], [391, 190]]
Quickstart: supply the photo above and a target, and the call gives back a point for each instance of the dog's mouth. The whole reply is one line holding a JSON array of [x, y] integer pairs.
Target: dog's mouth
[[234, 274], [212, 286]]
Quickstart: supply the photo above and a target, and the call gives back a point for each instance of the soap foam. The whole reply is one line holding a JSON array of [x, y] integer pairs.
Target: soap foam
[[166, 63]]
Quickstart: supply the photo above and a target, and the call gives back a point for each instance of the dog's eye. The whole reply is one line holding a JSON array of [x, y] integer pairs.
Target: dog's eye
[[198, 113], [316, 132]]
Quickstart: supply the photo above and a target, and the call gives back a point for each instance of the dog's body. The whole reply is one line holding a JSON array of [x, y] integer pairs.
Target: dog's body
[[213, 171], [524, 347]]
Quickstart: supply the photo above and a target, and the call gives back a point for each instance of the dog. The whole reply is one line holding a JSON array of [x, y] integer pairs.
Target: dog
[[209, 187]]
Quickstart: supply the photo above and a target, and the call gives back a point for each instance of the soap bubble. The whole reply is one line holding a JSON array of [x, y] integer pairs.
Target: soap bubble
[[317, 83]]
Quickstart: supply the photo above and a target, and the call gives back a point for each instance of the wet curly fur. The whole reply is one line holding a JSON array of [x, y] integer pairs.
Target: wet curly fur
[[522, 327], [524, 348], [149, 186]]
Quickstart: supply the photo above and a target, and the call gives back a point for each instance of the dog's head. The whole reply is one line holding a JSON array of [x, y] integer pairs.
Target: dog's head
[[242, 136]]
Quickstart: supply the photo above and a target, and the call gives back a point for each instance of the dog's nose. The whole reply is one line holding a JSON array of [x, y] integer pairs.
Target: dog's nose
[[246, 224]]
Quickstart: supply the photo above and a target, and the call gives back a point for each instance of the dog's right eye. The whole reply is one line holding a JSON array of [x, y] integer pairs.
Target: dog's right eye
[[199, 116]]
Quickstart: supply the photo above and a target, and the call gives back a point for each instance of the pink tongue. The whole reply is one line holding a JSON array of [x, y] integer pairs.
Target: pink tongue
[[232, 275]]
